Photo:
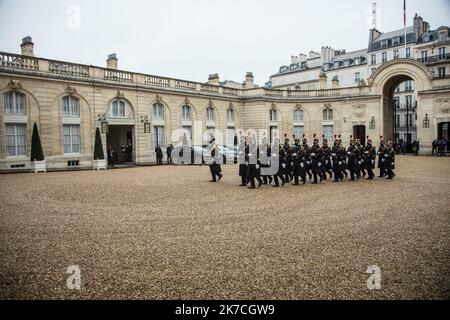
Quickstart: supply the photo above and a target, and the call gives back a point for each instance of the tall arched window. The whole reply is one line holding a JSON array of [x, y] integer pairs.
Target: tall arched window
[[158, 125], [273, 115], [118, 109], [15, 124], [186, 113], [328, 124], [14, 103], [71, 124], [230, 115], [210, 114], [328, 114], [158, 111], [298, 121]]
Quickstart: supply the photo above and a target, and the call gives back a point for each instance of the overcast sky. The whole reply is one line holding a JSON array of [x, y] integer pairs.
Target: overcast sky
[[189, 39]]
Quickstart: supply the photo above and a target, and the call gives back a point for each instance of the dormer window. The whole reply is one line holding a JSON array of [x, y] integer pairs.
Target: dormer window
[[442, 35], [396, 41], [384, 43]]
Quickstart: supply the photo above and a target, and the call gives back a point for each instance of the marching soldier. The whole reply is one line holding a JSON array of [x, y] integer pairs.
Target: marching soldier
[[360, 161], [389, 164], [281, 166], [327, 168], [341, 155], [381, 158], [243, 162], [370, 155], [267, 179], [288, 161], [316, 158], [254, 165], [214, 166], [307, 149], [352, 156]]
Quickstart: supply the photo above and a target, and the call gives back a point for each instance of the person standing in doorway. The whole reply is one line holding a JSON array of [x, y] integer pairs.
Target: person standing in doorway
[[159, 155]]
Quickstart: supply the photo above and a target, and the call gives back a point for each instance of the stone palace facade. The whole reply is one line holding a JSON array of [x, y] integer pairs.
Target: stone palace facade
[[68, 101]]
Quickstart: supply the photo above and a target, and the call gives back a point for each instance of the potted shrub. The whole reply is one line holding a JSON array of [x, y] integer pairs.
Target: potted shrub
[[99, 162], [37, 154]]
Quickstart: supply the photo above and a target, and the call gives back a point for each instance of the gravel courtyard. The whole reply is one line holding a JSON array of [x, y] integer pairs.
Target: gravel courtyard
[[166, 233]]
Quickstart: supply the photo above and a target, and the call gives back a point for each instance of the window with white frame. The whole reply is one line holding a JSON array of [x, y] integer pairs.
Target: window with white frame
[[14, 103], [396, 41], [408, 53], [328, 114], [273, 115], [16, 140], [186, 113], [158, 136], [71, 138], [158, 111], [298, 115], [357, 77], [396, 54], [441, 53], [209, 114], [230, 115], [118, 109], [231, 133], [298, 132], [373, 59], [384, 43], [328, 132], [384, 57], [424, 55], [71, 106]]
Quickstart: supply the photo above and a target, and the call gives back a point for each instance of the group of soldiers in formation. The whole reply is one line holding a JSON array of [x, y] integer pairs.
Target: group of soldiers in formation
[[299, 160]]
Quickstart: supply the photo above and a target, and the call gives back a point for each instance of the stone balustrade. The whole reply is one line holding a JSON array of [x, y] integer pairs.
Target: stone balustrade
[[14, 61]]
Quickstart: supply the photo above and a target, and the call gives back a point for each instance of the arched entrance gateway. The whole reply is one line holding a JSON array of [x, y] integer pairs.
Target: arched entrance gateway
[[401, 121]]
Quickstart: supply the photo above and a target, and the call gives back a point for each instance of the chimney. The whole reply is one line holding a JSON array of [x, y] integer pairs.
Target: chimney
[[335, 82], [249, 81], [418, 26], [27, 47], [213, 79], [112, 62], [322, 81]]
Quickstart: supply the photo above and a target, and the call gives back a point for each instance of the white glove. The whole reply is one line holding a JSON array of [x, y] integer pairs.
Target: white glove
[[319, 164], [257, 166], [246, 163], [326, 161], [340, 163], [307, 162], [274, 154], [334, 154], [349, 153], [250, 154], [382, 160], [302, 165], [367, 152], [373, 162], [283, 165], [313, 154], [294, 155], [292, 164]]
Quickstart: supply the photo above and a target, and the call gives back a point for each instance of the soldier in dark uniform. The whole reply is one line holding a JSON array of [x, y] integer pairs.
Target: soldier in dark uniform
[[334, 158], [307, 157], [370, 155], [389, 155], [214, 165], [327, 167], [360, 161], [280, 159], [352, 157], [381, 158], [267, 179], [295, 160], [243, 162], [341, 155], [254, 164], [288, 161], [301, 164], [316, 159]]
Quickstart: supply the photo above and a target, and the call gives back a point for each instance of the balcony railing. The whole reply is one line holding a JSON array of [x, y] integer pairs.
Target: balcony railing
[[16, 61], [435, 59], [70, 69], [313, 93], [119, 76], [179, 84], [157, 81]]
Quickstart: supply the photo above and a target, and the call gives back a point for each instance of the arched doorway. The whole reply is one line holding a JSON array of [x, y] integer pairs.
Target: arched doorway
[[384, 81], [359, 133], [400, 112], [444, 137]]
